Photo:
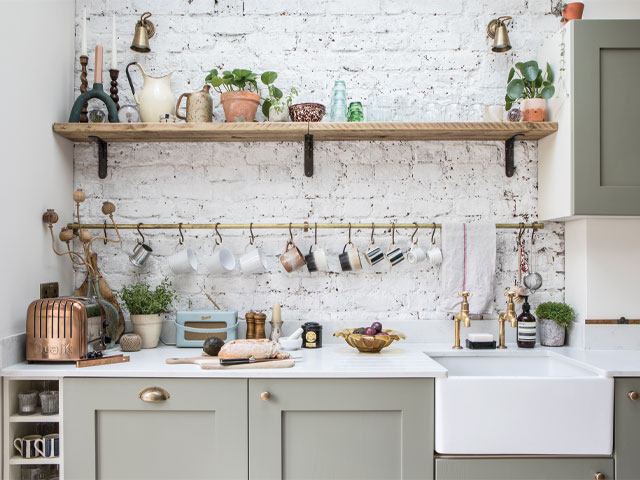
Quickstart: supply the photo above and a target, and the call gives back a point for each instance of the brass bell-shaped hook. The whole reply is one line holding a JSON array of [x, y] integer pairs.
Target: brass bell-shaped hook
[[144, 31], [497, 30]]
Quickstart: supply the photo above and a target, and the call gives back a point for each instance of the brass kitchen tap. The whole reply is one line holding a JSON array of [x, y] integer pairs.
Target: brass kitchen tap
[[462, 316], [509, 316]]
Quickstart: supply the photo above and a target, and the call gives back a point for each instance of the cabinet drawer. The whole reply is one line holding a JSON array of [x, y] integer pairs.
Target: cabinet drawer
[[627, 429], [584, 468]]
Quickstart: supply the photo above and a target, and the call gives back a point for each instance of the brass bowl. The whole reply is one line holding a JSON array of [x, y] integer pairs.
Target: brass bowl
[[369, 343]]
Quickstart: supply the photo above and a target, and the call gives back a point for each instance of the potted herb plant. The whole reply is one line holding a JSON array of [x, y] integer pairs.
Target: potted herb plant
[[145, 307], [532, 86], [239, 93], [276, 108], [554, 318]]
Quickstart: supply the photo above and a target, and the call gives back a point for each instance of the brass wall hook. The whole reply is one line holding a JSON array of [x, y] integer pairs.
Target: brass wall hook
[[373, 227], [181, 241], [433, 235], [290, 234], [218, 234], [315, 234], [520, 232], [414, 238], [533, 235], [251, 235], [349, 242], [140, 233], [105, 233], [393, 233]]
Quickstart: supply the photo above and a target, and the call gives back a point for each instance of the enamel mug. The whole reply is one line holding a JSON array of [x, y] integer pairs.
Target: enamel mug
[[292, 258], [317, 260], [26, 446], [374, 254], [253, 261], [350, 259], [49, 445], [394, 255], [183, 261], [220, 261], [416, 255], [434, 255]]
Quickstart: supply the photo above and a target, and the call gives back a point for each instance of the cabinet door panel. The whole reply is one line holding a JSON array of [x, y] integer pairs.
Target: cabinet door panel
[[627, 429], [341, 429], [523, 468], [199, 432]]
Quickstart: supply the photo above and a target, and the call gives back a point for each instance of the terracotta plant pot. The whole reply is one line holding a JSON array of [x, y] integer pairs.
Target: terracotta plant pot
[[149, 328], [534, 109], [573, 11], [240, 106], [551, 334]]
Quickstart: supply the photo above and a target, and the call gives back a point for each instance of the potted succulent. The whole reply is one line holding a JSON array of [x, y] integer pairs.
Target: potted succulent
[[239, 93], [554, 318], [274, 107], [533, 87], [145, 307]]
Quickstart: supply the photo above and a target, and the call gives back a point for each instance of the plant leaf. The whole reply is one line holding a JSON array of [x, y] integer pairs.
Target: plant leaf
[[549, 74], [266, 105], [515, 89], [511, 74], [548, 91], [268, 77], [530, 70], [538, 82], [215, 81]]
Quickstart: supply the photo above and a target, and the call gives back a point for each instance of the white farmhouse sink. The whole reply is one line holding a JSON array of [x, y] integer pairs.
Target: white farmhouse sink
[[513, 402]]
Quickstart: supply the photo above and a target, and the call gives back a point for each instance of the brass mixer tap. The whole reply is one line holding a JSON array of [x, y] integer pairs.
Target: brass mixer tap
[[462, 316], [509, 316]]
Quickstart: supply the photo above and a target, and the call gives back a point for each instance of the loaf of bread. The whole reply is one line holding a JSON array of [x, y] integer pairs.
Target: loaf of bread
[[251, 348]]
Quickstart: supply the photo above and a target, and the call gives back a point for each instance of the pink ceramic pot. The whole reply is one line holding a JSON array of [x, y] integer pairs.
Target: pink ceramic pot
[[240, 106], [534, 109]]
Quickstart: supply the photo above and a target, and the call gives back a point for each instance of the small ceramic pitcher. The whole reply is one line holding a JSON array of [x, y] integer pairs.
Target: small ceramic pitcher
[[156, 99], [199, 106]]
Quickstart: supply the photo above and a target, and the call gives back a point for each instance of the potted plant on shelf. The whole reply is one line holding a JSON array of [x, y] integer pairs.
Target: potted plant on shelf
[[533, 87], [274, 107], [572, 11], [239, 93], [145, 307], [554, 318]]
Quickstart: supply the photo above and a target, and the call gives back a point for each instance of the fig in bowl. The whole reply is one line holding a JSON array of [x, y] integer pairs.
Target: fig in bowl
[[369, 343]]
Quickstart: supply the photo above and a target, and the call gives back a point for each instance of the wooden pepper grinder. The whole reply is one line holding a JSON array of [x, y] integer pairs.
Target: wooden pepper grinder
[[251, 326], [259, 319]]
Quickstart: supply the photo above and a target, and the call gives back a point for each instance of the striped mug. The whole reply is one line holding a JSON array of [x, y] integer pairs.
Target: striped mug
[[374, 254], [394, 255], [26, 446]]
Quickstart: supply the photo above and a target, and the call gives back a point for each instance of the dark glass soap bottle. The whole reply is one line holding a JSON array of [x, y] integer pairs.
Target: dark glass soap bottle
[[526, 326]]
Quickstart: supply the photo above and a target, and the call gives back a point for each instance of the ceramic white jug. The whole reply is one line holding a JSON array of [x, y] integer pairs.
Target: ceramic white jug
[[156, 98]]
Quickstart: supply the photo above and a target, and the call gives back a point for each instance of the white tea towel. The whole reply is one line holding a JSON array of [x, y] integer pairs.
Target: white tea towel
[[468, 264]]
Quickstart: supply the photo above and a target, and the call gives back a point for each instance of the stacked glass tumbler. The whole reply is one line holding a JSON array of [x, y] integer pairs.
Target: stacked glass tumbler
[[339, 102]]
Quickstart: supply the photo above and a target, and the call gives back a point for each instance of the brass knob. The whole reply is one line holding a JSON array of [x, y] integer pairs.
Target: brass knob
[[265, 396], [632, 396], [154, 394], [599, 476]]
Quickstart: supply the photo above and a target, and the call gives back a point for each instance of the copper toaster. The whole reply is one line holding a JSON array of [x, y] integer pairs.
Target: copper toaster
[[62, 329]]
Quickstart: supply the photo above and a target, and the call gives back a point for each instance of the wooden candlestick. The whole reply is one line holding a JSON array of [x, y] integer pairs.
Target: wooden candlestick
[[114, 86], [84, 84]]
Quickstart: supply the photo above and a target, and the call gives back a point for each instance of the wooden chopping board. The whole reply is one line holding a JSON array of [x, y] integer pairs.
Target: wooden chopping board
[[213, 363]]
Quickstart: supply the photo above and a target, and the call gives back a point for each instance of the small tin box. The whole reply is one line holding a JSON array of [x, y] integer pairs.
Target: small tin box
[[193, 327]]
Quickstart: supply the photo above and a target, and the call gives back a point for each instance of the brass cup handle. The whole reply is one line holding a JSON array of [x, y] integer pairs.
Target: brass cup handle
[[633, 396], [265, 396], [154, 394], [599, 476]]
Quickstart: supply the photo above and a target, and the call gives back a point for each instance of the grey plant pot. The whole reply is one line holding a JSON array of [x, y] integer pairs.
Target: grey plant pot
[[551, 334]]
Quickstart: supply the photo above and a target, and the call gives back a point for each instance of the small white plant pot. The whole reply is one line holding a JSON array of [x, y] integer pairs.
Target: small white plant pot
[[275, 116], [149, 328], [551, 334]]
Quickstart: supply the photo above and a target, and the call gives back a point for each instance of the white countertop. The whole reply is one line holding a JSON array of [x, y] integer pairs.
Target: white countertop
[[400, 360]]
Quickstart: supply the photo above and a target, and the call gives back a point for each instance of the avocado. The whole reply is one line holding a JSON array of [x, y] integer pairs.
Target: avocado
[[212, 346]]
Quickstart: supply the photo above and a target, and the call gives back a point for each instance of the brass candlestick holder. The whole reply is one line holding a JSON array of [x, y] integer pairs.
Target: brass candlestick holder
[[84, 84], [113, 73]]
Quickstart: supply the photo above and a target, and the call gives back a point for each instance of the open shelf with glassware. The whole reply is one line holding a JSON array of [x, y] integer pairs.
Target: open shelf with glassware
[[17, 425], [104, 133]]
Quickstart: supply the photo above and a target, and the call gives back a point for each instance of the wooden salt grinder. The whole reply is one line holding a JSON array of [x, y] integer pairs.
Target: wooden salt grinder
[[251, 326], [259, 321]]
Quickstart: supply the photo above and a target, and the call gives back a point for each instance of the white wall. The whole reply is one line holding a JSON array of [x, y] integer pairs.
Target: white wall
[[611, 9], [37, 67]]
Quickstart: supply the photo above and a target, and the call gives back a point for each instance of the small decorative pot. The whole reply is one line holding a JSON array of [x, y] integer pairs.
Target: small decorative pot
[[306, 112], [282, 116], [573, 11], [240, 106], [551, 334], [149, 328], [534, 109]]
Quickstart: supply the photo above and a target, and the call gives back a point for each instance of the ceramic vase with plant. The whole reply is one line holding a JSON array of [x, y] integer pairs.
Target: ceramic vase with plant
[[276, 107], [533, 87], [554, 319], [239, 93], [146, 307]]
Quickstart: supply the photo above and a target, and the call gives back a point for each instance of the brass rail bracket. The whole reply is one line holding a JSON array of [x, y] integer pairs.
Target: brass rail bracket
[[509, 164], [102, 155], [308, 155]]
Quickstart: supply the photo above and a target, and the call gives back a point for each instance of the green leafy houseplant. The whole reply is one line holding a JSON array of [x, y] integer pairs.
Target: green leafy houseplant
[[140, 300], [531, 82], [275, 98], [561, 313], [237, 80]]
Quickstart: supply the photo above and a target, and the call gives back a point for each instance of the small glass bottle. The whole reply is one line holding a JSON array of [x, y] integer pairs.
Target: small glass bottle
[[526, 326]]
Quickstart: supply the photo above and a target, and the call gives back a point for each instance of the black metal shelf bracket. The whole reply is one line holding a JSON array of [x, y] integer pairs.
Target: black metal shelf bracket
[[509, 164], [308, 155], [102, 155]]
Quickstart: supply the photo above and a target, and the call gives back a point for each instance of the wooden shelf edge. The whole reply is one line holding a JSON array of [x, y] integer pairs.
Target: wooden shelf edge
[[294, 132]]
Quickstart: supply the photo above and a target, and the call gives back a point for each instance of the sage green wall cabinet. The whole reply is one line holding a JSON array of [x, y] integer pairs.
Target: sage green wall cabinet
[[199, 432], [341, 429], [591, 165], [626, 443], [585, 468]]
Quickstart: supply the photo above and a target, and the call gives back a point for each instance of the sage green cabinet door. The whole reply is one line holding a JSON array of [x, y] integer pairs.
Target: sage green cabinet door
[[200, 432], [606, 68], [341, 429], [626, 437], [584, 468]]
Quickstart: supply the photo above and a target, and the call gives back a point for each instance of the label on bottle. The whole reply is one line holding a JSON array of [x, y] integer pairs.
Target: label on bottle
[[526, 331]]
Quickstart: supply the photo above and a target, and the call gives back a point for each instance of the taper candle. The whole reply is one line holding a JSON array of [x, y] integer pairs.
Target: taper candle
[[98, 68], [114, 59], [83, 47]]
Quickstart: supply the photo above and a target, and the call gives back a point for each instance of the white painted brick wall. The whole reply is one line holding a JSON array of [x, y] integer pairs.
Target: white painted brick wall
[[408, 52]]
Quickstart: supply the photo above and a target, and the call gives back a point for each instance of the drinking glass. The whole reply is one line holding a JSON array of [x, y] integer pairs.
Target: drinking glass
[[49, 402], [27, 402]]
